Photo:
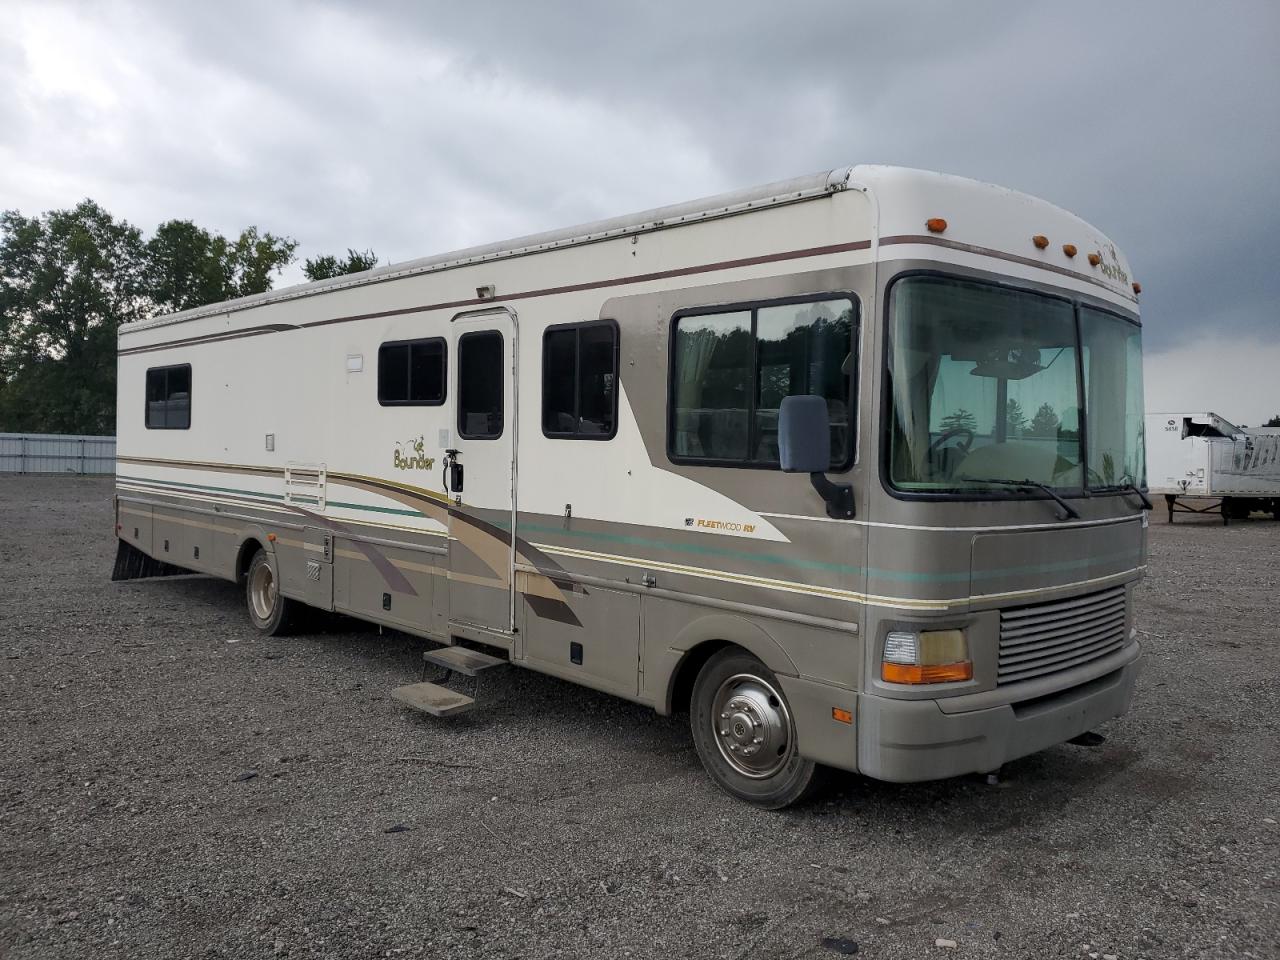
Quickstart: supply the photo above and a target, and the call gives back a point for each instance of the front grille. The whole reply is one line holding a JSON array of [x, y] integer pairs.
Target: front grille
[[1049, 637]]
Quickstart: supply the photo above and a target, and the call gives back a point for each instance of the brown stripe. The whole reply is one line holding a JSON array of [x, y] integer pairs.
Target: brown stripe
[[614, 282], [1000, 255], [205, 465], [543, 292], [212, 338]]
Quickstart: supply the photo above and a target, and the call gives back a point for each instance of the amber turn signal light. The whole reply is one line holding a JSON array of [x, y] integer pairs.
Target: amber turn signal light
[[1069, 249], [926, 673], [271, 538], [1040, 240], [1137, 287], [1094, 259], [841, 715], [936, 224]]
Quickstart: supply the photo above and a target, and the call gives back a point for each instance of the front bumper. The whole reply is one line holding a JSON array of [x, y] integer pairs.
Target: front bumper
[[910, 740]]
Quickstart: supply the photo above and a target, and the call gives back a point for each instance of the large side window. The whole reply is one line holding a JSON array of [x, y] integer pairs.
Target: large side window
[[481, 376], [580, 381], [411, 373], [731, 369], [169, 398]]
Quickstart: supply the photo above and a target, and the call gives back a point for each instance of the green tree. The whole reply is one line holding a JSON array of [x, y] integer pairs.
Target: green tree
[[1015, 417], [187, 266], [327, 266], [69, 278], [960, 420], [1045, 423]]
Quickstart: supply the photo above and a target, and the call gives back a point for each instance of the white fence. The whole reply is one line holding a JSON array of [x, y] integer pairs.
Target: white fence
[[56, 453]]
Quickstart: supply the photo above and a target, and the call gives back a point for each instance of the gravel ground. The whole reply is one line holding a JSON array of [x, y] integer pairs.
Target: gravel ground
[[174, 786]]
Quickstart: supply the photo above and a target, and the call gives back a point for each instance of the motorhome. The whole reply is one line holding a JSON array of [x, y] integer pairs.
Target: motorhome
[[1202, 463], [849, 467]]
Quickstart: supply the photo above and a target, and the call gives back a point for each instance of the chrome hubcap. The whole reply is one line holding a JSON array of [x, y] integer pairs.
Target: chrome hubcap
[[262, 592], [752, 726]]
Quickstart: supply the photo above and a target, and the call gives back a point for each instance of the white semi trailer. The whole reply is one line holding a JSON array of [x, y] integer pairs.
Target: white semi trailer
[[1194, 456]]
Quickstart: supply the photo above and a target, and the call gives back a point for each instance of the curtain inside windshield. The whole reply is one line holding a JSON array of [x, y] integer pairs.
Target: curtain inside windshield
[[983, 387], [1113, 397]]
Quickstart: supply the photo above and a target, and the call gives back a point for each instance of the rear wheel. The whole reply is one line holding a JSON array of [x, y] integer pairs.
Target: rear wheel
[[745, 735], [270, 612]]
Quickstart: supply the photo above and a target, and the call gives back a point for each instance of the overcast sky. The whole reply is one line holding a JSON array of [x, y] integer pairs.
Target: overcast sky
[[414, 129]]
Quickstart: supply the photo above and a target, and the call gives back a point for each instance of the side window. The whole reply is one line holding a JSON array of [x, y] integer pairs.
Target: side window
[[169, 398], [411, 373], [731, 369], [580, 381], [480, 385]]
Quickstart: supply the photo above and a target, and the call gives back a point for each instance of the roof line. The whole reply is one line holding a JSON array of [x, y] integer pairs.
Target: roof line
[[810, 187]]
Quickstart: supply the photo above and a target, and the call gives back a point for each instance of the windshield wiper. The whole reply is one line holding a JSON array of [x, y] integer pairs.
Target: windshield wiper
[[1069, 512], [1126, 485]]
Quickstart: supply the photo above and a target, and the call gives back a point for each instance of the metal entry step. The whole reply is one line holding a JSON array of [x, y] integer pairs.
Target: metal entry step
[[433, 699], [462, 660]]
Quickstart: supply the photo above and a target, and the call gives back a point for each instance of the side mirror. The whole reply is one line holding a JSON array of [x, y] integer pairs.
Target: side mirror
[[804, 446]]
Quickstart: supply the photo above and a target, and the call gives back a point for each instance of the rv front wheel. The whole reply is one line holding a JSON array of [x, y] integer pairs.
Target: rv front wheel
[[269, 611], [745, 734]]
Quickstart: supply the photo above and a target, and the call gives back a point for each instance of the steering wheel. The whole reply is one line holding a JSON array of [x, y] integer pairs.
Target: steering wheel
[[950, 435]]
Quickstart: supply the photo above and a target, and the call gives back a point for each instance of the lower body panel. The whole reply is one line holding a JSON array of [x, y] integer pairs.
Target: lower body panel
[[911, 740]]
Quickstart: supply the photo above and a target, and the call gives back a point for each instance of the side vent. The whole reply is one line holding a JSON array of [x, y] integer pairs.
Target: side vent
[[305, 485]]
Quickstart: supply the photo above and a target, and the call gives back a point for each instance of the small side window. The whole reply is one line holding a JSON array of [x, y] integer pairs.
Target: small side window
[[480, 385], [169, 398], [580, 381], [411, 373]]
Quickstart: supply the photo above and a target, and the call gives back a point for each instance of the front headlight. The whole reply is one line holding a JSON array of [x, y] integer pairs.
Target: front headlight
[[927, 656]]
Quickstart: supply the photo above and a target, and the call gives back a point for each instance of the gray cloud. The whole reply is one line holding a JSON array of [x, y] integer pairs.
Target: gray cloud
[[414, 129]]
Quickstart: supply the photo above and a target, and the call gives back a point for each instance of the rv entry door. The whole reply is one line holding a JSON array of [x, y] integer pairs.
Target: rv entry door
[[480, 469]]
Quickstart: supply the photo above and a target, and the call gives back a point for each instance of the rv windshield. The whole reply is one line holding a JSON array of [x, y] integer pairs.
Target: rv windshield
[[984, 389]]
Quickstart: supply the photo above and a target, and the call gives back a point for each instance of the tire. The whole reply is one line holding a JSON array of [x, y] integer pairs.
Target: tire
[[269, 612], [1237, 508], [737, 699]]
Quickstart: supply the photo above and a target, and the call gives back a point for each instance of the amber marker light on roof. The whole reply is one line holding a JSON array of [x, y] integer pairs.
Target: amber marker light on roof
[[1040, 240], [1094, 259], [1137, 287], [1069, 249], [936, 224]]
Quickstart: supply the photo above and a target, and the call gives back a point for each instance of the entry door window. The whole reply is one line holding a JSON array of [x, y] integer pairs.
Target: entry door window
[[481, 385]]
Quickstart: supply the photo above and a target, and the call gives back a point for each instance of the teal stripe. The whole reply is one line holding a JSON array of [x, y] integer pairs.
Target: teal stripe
[[905, 576], [695, 548], [360, 506]]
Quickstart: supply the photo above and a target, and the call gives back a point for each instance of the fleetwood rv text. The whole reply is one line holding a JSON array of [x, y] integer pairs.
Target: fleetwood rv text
[[848, 466]]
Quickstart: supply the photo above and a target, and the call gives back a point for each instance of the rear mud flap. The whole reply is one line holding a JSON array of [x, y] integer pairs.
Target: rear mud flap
[[133, 564]]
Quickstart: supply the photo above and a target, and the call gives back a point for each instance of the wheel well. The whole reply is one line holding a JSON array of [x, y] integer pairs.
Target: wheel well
[[248, 550], [688, 669]]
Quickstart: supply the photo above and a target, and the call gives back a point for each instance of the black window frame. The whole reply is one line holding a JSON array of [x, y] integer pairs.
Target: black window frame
[[753, 306], [459, 412], [146, 404], [612, 326], [1078, 300], [444, 372]]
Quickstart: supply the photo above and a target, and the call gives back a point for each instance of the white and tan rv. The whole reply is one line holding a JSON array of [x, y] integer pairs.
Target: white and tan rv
[[848, 466]]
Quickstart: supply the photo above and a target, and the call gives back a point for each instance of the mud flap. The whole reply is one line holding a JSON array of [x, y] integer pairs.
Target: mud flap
[[133, 564]]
